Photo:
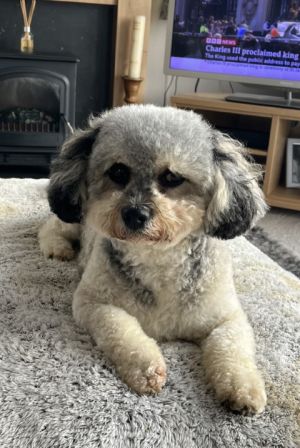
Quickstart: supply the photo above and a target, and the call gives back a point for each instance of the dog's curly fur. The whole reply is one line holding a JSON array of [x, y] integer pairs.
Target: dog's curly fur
[[164, 273]]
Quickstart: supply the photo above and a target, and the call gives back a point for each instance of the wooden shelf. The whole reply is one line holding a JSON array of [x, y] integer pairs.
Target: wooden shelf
[[217, 102], [275, 123], [257, 152], [285, 198]]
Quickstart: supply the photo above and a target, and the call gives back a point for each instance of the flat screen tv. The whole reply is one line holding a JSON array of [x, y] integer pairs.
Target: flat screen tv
[[245, 41]]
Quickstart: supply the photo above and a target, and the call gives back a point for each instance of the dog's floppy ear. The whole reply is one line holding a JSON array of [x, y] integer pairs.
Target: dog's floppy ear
[[237, 201], [66, 191]]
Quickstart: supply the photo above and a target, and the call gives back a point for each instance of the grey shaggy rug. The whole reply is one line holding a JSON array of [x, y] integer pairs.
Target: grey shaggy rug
[[57, 390], [274, 250]]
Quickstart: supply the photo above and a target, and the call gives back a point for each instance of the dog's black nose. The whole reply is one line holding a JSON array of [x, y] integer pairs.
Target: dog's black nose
[[135, 218]]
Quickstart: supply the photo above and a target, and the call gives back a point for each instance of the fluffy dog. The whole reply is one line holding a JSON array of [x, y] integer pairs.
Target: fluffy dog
[[151, 193]]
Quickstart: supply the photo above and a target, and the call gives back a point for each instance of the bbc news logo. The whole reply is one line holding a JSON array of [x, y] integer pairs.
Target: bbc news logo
[[219, 41]]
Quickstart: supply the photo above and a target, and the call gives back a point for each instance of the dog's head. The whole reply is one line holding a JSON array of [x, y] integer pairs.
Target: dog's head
[[155, 175]]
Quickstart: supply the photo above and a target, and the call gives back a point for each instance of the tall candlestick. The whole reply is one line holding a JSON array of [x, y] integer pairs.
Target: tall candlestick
[[136, 55]]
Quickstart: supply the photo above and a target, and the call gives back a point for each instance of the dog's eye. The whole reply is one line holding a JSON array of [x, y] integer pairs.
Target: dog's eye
[[119, 174], [167, 179]]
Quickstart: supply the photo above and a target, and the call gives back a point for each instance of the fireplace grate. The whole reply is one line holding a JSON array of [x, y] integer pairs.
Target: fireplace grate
[[27, 121]]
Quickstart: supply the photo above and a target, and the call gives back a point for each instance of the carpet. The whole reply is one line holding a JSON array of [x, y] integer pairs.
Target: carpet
[[57, 390], [274, 250]]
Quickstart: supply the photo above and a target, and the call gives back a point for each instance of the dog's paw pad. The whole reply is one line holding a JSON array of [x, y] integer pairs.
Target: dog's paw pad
[[247, 400], [148, 381], [156, 379], [64, 252]]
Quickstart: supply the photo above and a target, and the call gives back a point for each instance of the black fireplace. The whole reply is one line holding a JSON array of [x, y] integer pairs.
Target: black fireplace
[[37, 106]]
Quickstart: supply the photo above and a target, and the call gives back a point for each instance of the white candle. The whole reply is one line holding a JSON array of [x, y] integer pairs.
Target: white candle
[[136, 55]]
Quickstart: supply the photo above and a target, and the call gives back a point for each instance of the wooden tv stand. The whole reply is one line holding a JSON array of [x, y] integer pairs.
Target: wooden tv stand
[[273, 124]]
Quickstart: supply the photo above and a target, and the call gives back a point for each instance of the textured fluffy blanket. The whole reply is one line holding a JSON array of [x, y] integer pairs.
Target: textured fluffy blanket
[[57, 390]]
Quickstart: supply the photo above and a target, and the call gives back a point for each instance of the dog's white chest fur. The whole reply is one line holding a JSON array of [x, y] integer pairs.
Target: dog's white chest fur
[[165, 289]]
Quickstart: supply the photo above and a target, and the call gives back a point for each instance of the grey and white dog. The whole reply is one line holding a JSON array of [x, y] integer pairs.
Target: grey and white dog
[[151, 193]]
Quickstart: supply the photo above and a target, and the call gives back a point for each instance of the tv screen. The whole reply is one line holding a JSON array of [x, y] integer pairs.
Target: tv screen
[[256, 41]]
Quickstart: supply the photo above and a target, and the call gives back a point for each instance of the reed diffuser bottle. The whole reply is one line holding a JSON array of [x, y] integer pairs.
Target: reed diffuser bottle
[[27, 41]]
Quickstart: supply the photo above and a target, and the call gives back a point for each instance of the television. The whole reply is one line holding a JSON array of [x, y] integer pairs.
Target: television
[[244, 41]]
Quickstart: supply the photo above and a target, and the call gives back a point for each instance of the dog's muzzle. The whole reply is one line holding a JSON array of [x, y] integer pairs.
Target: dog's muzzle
[[136, 218]]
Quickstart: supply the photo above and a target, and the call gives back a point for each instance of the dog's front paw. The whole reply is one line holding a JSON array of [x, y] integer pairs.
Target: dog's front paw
[[58, 248], [148, 378], [56, 239], [244, 394]]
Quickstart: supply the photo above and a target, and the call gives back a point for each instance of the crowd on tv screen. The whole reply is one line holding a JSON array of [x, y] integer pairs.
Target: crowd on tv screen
[[227, 26]]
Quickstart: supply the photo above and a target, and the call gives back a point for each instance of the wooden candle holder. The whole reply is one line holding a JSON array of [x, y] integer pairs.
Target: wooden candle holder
[[131, 87]]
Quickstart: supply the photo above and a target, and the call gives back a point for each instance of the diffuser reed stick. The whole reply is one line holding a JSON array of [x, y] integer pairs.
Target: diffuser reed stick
[[27, 43]]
